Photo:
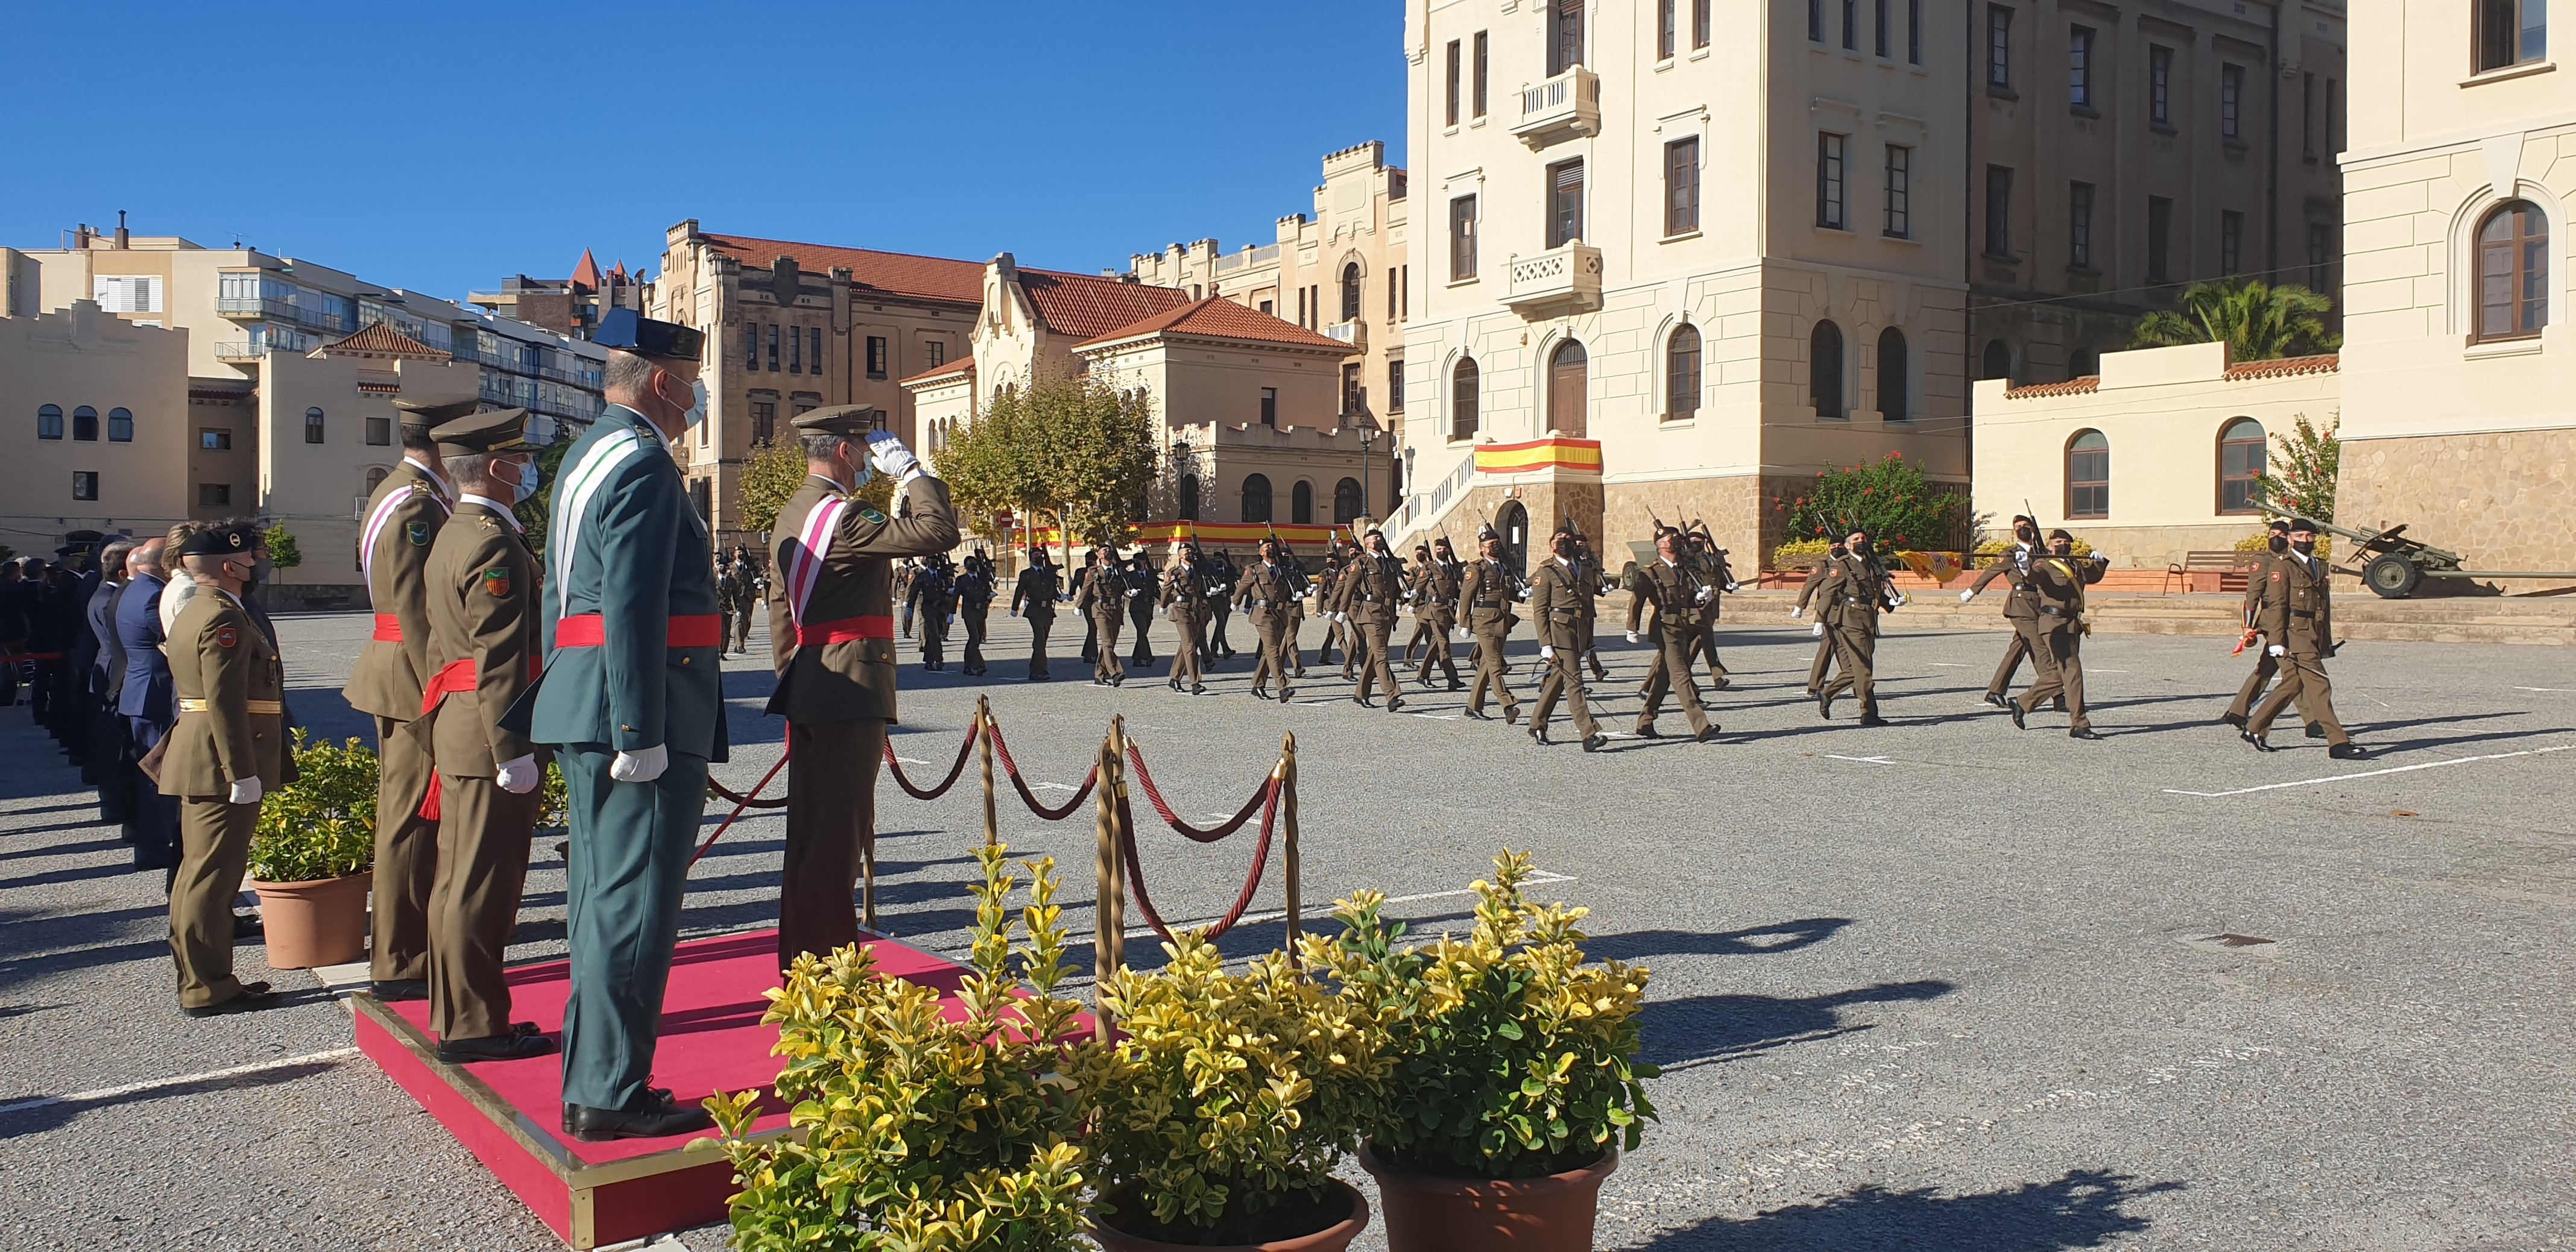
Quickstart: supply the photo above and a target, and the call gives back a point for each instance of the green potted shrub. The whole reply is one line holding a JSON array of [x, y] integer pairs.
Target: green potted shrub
[[1513, 1077], [1225, 1105], [908, 1130], [310, 855]]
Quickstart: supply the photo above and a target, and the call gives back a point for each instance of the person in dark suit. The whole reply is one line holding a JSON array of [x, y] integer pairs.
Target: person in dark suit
[[143, 699], [107, 766]]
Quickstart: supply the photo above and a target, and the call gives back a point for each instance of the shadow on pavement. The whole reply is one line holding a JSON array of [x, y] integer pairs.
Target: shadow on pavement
[[2083, 1209], [1702, 1030], [46, 1117], [1638, 945]]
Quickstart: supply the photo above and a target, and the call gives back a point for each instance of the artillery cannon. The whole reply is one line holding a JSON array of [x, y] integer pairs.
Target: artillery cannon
[[2393, 565]]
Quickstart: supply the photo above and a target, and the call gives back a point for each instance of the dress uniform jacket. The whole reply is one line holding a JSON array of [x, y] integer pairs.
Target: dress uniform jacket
[[1371, 591], [1847, 601], [1034, 596], [2295, 612], [230, 692], [1267, 593], [2021, 609], [1561, 607], [1675, 595], [2056, 586], [1102, 594], [1436, 587], [403, 519]]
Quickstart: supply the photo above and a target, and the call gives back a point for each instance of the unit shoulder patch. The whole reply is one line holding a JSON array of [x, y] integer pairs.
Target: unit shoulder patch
[[226, 636], [497, 581], [417, 532], [867, 514]]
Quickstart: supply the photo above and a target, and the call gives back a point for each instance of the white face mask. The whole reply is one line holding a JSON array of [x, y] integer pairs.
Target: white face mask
[[698, 409], [528, 480]]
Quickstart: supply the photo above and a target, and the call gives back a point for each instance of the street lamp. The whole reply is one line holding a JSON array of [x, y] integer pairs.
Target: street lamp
[[1368, 440]]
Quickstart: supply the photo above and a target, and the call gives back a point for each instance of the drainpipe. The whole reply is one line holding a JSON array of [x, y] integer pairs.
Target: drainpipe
[[2272, 161]]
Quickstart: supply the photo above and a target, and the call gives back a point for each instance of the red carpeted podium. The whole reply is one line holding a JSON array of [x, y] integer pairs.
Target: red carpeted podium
[[509, 1114]]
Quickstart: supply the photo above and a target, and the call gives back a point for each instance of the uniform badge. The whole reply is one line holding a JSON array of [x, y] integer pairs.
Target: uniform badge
[[871, 515], [417, 532], [2276, 576], [226, 636], [497, 581]]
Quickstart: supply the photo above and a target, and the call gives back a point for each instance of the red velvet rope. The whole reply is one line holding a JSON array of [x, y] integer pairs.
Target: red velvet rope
[[954, 771], [740, 803], [1154, 795], [1269, 798], [1012, 768]]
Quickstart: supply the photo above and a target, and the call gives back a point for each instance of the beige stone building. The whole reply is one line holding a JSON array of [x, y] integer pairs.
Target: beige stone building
[[2118, 151], [97, 424], [2153, 458], [2460, 356], [1344, 270]]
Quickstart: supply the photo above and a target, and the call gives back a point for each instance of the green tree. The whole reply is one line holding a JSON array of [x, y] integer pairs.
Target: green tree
[[1888, 497], [776, 472], [282, 552], [1098, 456], [2258, 321], [2301, 478], [994, 465]]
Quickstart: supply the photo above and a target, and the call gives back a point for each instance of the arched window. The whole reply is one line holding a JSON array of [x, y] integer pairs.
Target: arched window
[[49, 421], [375, 479], [2240, 466], [1825, 371], [2513, 272], [120, 426], [1895, 383], [85, 424], [2083, 363], [1462, 400], [1301, 503], [2088, 475], [1997, 362], [312, 425], [1346, 501], [1568, 378], [1681, 373], [1256, 497], [1351, 292], [1189, 501]]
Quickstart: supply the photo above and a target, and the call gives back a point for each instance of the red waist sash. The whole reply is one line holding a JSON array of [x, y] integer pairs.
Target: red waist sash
[[846, 630], [388, 628], [585, 630]]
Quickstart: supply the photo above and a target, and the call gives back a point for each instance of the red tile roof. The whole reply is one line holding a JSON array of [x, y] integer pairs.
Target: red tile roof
[[1087, 306], [2285, 367], [1081, 305], [962, 365], [1218, 318], [586, 274], [2041, 391], [380, 339]]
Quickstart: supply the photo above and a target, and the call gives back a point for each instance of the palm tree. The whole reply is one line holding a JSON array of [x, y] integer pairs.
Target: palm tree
[[2257, 321]]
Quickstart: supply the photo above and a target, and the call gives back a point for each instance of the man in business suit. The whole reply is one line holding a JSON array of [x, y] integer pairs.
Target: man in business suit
[[632, 700], [143, 700], [831, 631], [107, 765], [402, 520]]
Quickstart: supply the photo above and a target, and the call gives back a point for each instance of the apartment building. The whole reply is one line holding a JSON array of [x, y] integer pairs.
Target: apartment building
[[567, 306], [96, 438]]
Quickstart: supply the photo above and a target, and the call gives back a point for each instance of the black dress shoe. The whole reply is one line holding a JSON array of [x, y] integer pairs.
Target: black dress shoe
[[1364, 702], [1100, 682], [2236, 720], [1260, 693], [1538, 735], [2255, 739], [2348, 752], [655, 1116], [1592, 742], [1198, 689], [2316, 732], [2083, 732], [1996, 699], [1394, 703], [1871, 719], [399, 989], [1477, 715], [1424, 679], [509, 1047], [1455, 685], [2014, 707], [1511, 714], [254, 997], [247, 925], [1649, 732], [2057, 705], [1824, 706], [1704, 735]]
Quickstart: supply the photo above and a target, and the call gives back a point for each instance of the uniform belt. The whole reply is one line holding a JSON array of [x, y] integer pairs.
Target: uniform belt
[[2303, 612], [388, 628], [274, 708], [586, 630], [846, 630]]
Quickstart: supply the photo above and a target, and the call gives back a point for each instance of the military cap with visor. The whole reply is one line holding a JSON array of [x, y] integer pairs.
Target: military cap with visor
[[629, 331], [501, 430], [428, 411], [855, 421]]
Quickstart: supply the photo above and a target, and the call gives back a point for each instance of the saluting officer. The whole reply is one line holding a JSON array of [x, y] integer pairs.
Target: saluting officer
[[1103, 595], [1436, 587], [1853, 587], [1033, 596], [2056, 581], [403, 518], [484, 641], [1671, 588], [1561, 606], [2296, 615], [2021, 604], [1184, 598], [228, 749], [1267, 592], [1488, 591], [1371, 583]]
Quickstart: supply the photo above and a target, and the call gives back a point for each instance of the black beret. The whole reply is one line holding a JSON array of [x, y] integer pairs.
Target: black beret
[[221, 541], [629, 331]]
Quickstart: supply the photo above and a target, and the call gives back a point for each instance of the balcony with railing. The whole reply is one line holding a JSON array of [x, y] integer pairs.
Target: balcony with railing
[[1563, 107], [1561, 280], [1353, 332], [240, 351], [265, 308]]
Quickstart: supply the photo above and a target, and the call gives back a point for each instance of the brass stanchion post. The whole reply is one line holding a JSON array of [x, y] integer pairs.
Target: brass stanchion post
[[1109, 902], [984, 729], [1288, 803]]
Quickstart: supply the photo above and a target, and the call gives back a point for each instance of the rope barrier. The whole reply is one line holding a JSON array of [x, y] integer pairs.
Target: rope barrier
[[1002, 749], [1269, 796], [955, 771], [1154, 795], [740, 803]]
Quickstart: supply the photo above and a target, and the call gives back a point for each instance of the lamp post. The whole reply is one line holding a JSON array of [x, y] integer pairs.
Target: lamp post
[[1368, 441]]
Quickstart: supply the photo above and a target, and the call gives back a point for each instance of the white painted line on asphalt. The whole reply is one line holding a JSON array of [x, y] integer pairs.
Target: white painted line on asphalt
[[132, 1088], [2371, 773], [911, 760], [2560, 691], [1133, 932], [1435, 717], [1865, 760], [1954, 665]]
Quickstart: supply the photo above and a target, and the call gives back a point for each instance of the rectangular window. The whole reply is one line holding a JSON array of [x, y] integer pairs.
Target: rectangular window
[[2231, 241], [1270, 406], [2231, 97], [1914, 32], [312, 425], [1456, 82], [1404, 290], [1999, 212], [380, 432], [1564, 35], [814, 351], [2160, 86], [2317, 256], [2308, 117], [2325, 130], [1815, 21], [2079, 66], [934, 352], [1699, 24], [2159, 239], [214, 439], [1900, 192], [1391, 285], [795, 349], [773, 347], [214, 495], [1462, 238], [1851, 25], [751, 345], [764, 420], [1681, 186], [1878, 27], [1668, 35], [1301, 306], [126, 293], [2511, 32], [2079, 225], [1354, 398], [1829, 180], [1476, 96], [1564, 203], [1999, 47], [1395, 386], [877, 356], [1267, 307], [84, 484]]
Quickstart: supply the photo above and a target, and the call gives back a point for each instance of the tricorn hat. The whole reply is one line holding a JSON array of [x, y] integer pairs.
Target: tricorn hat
[[629, 331]]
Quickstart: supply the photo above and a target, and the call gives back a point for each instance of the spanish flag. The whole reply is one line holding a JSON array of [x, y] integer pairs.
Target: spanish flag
[[1572, 456]]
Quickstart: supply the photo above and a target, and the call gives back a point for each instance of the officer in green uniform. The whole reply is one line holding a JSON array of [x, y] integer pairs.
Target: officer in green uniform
[[2295, 613], [632, 700]]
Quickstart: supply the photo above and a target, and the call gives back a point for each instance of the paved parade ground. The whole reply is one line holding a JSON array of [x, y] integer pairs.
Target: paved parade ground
[[1935, 985]]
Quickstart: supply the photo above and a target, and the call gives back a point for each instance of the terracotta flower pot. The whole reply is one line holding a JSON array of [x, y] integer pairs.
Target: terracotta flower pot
[[1427, 1212], [1333, 1238], [322, 922]]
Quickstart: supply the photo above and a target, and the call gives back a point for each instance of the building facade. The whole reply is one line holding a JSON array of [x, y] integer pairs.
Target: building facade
[[567, 306], [2460, 412], [97, 431]]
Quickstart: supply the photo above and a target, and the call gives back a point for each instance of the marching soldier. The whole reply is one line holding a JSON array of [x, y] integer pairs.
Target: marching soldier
[[1034, 596], [1822, 666], [934, 592], [2056, 584], [1714, 573], [1850, 593], [2276, 546], [1436, 588], [1143, 586], [1672, 589], [1488, 591], [403, 517], [1413, 572], [974, 603], [1090, 624], [1595, 585], [834, 649], [1221, 579], [1561, 606], [1301, 585], [1103, 595], [904, 573], [2296, 616], [2021, 604], [228, 749], [1328, 592], [1184, 597], [1372, 585], [483, 651], [1267, 593]]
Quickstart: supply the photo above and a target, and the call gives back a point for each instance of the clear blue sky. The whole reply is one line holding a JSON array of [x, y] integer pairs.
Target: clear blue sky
[[442, 148]]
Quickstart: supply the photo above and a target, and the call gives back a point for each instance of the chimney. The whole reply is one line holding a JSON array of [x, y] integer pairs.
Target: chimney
[[80, 237], [122, 238]]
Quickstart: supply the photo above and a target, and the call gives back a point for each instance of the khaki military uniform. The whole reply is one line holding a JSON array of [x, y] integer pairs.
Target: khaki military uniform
[[1847, 602], [484, 645], [2266, 666], [1184, 600], [2295, 612], [1436, 588], [1822, 666], [1267, 594], [1034, 595], [405, 512], [1369, 593], [1561, 605], [1675, 596], [1337, 634], [1488, 593], [2021, 612], [1102, 593], [232, 726], [2056, 585], [835, 658]]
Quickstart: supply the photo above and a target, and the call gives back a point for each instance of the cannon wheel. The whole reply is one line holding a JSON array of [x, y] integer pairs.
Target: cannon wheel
[[2392, 577]]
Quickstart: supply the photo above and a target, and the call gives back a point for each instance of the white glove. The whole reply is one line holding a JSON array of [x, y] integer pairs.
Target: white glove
[[1818, 630], [521, 776], [1632, 636], [1797, 610], [641, 766], [247, 790], [1966, 596], [1465, 634], [1546, 653], [1703, 595], [2277, 650], [890, 457], [1731, 585]]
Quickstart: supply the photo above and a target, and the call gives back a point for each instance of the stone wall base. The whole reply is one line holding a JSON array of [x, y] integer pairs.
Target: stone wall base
[[2504, 501]]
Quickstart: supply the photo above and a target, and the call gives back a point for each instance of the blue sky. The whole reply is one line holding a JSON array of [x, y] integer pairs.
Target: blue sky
[[441, 154]]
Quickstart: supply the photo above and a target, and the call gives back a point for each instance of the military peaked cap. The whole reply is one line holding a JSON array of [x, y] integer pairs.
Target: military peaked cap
[[629, 331], [853, 420], [501, 430], [426, 411]]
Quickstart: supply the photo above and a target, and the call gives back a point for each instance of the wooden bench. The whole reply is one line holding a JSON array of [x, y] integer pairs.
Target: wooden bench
[[2231, 569]]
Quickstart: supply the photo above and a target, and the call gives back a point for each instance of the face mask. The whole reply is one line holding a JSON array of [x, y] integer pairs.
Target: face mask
[[2279, 544], [527, 482], [2027, 536], [698, 403], [2305, 546]]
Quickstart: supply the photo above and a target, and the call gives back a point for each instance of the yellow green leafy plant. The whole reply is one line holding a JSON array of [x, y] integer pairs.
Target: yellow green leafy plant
[[1512, 1055], [910, 1132], [322, 825]]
